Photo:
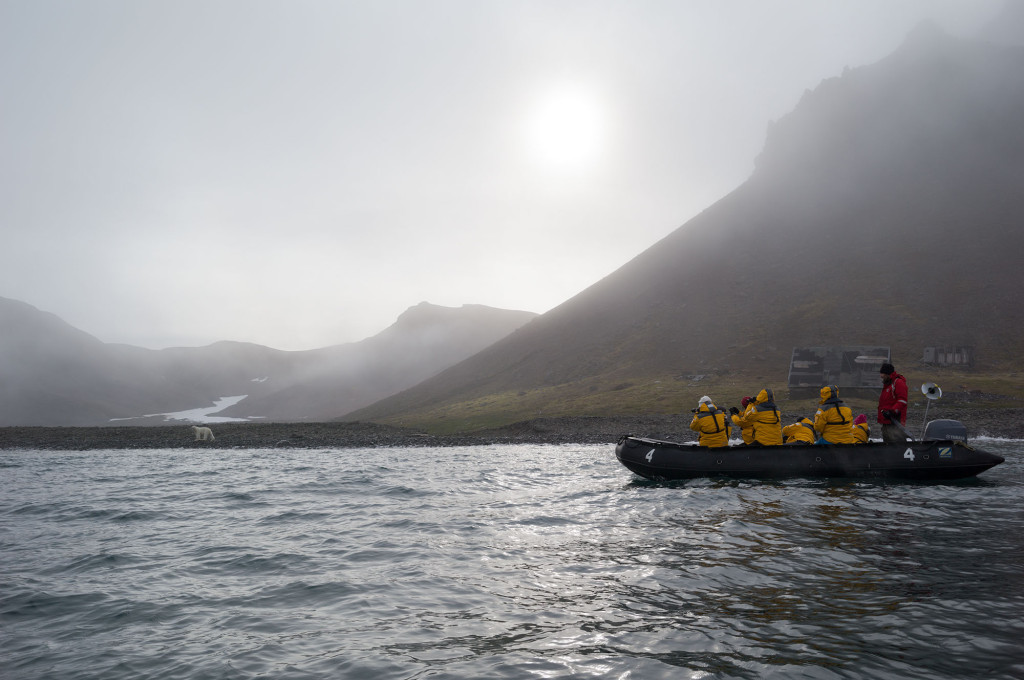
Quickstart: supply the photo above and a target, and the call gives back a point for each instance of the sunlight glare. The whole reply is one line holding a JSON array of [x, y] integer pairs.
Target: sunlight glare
[[566, 129]]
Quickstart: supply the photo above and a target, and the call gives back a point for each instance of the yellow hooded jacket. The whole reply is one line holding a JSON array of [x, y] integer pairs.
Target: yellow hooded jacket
[[710, 425], [833, 419], [860, 433], [764, 420], [802, 431], [746, 429]]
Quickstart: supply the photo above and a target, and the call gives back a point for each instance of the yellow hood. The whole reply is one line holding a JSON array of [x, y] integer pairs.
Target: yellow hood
[[829, 392]]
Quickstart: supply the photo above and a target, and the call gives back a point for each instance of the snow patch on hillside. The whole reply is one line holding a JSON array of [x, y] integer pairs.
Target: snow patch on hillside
[[203, 414]]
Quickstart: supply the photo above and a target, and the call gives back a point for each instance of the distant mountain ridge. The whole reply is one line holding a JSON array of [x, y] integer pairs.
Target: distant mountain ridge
[[423, 341], [885, 209], [54, 374]]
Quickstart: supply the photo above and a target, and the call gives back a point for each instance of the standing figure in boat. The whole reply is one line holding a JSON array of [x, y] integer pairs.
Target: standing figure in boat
[[763, 420], [860, 429], [892, 405], [833, 419], [738, 419], [710, 424], [800, 432]]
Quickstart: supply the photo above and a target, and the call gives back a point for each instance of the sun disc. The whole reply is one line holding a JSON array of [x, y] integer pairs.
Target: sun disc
[[566, 129]]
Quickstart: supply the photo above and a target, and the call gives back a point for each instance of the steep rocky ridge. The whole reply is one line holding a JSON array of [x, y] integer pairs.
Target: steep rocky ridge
[[885, 209]]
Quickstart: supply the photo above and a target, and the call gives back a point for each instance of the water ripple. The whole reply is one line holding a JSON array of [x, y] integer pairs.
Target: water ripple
[[496, 562]]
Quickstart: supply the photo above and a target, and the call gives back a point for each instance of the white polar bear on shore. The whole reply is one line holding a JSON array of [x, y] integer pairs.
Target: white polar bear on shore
[[203, 433]]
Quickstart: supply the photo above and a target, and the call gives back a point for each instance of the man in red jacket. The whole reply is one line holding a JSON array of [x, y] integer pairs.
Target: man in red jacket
[[892, 405]]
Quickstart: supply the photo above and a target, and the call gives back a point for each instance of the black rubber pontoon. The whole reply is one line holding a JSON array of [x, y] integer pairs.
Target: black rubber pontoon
[[937, 459]]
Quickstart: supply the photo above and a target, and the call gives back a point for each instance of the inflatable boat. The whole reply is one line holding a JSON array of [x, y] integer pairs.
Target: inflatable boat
[[943, 453]]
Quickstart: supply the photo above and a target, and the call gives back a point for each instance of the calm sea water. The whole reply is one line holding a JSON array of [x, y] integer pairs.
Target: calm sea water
[[497, 562]]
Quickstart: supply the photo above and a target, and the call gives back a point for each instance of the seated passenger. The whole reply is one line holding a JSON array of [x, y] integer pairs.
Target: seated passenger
[[763, 419], [746, 429], [860, 429], [800, 432], [833, 419], [710, 424]]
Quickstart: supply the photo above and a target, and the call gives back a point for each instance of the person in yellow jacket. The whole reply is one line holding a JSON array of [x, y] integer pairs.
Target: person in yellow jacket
[[834, 419], [710, 424], [746, 429], [800, 432], [860, 429], [763, 420]]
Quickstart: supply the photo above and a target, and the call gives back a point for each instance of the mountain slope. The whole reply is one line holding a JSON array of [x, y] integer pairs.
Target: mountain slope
[[54, 374], [424, 340], [45, 360], [885, 209]]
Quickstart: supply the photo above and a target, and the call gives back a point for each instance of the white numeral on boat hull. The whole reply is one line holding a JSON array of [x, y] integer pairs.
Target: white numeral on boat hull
[[909, 454], [649, 456]]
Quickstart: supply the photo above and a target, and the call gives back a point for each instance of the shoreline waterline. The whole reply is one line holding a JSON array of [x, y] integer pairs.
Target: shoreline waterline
[[994, 423]]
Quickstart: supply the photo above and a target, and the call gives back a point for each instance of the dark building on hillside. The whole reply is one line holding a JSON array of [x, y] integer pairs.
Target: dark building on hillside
[[854, 368], [948, 356]]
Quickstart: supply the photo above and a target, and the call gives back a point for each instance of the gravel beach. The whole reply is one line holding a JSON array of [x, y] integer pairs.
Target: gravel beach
[[1008, 423]]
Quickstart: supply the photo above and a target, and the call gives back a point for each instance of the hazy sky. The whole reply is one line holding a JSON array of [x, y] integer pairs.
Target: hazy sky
[[297, 173]]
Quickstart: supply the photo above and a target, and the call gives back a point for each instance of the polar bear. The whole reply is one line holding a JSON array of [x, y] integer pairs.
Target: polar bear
[[203, 433]]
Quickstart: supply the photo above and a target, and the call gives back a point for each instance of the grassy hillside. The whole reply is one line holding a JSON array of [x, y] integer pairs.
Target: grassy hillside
[[671, 394]]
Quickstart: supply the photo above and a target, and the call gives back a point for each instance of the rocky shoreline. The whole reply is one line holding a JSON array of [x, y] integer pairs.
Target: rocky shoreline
[[1007, 423]]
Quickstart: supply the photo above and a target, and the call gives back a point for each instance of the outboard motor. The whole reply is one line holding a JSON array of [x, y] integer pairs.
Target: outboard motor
[[946, 429]]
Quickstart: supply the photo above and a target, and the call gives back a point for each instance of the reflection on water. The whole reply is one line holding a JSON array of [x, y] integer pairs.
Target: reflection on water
[[498, 562]]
